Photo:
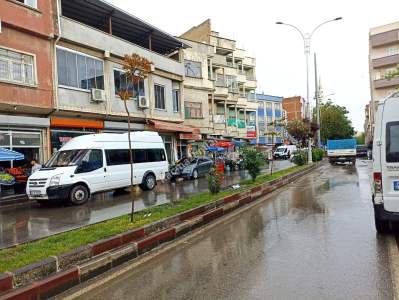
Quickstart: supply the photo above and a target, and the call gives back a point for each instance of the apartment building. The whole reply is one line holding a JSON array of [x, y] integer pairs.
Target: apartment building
[[219, 77], [270, 116], [295, 107], [383, 58], [26, 78], [93, 38]]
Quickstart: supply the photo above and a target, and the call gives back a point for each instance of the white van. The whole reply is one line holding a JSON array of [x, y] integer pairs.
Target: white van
[[385, 185], [285, 151], [99, 162]]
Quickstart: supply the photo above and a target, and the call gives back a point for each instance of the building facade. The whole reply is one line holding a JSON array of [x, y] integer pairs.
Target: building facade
[[219, 77], [270, 118], [26, 78], [383, 58], [295, 108], [89, 56]]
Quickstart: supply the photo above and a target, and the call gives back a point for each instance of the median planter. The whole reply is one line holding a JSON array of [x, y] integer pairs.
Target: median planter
[[83, 263]]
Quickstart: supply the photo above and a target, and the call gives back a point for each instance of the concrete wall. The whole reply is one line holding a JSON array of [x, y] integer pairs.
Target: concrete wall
[[200, 33], [198, 96], [294, 107]]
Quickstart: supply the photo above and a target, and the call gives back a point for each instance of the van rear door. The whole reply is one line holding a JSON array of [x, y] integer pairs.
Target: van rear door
[[390, 155]]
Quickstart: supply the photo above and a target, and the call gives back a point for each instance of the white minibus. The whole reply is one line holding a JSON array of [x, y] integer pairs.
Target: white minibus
[[99, 162], [385, 185]]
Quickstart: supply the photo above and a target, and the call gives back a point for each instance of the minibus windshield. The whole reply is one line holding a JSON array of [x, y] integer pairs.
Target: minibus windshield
[[66, 158]]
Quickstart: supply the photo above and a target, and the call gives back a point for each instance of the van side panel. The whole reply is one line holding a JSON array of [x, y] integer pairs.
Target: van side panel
[[390, 167]]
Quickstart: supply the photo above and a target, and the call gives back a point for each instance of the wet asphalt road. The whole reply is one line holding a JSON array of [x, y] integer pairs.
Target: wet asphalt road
[[314, 239], [25, 223]]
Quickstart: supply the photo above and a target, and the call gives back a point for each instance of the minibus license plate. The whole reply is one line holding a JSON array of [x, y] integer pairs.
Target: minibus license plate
[[35, 193], [396, 185]]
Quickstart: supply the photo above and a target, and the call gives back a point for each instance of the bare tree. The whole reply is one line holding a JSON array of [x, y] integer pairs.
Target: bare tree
[[136, 68]]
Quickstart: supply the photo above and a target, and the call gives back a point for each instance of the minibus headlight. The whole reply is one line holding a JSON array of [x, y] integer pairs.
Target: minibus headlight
[[55, 180]]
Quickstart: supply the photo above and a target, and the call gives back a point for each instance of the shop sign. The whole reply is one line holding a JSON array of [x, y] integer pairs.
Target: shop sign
[[251, 131], [190, 136]]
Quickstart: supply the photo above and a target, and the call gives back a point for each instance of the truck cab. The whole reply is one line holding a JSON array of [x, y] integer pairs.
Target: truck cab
[[385, 183]]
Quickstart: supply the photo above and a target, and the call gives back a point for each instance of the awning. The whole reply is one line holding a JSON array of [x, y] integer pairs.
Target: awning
[[7, 155], [224, 144], [215, 149], [172, 127]]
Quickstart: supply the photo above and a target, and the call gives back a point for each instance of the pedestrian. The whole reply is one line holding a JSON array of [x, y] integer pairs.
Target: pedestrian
[[35, 166]]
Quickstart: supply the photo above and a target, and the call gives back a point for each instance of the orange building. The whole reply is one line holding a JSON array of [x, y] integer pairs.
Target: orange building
[[295, 108]]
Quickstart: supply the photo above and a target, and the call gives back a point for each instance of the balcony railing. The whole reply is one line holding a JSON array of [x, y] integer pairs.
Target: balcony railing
[[386, 61]]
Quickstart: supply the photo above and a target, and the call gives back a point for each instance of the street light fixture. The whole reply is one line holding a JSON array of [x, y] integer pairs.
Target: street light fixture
[[306, 44]]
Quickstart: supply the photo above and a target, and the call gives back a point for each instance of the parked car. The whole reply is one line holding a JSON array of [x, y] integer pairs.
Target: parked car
[[198, 167], [284, 151], [385, 185], [99, 162], [361, 151]]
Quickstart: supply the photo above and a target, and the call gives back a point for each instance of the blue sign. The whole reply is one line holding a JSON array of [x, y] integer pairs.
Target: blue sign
[[396, 185]]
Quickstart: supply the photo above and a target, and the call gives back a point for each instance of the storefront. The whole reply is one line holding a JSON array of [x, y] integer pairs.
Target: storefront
[[25, 135], [63, 130]]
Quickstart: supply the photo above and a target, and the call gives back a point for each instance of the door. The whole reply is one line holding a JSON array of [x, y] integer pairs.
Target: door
[[91, 170], [201, 166]]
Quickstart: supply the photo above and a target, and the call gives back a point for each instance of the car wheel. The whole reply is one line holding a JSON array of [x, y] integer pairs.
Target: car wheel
[[148, 182], [195, 174], [79, 195]]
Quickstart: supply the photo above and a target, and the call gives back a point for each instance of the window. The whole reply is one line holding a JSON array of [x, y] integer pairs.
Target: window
[[392, 148], [91, 160], [193, 110], [135, 89], [117, 157], [193, 68], [121, 156], [31, 3], [176, 100], [17, 67], [392, 51], [79, 71], [159, 96]]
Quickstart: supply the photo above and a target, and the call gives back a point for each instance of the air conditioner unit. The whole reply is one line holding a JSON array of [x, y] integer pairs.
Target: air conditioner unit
[[97, 95], [143, 102]]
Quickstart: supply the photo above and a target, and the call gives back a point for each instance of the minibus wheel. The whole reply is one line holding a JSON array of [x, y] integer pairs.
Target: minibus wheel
[[79, 195], [381, 226], [148, 182]]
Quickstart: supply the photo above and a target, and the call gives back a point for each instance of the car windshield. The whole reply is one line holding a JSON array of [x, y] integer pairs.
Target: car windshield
[[66, 158], [280, 149]]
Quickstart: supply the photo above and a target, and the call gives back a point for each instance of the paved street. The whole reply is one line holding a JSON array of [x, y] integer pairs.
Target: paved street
[[314, 240], [21, 224]]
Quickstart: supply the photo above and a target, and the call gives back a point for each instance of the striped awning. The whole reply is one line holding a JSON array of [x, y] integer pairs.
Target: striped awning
[[7, 155]]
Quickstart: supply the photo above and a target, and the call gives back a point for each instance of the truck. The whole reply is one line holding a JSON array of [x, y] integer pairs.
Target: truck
[[343, 150]]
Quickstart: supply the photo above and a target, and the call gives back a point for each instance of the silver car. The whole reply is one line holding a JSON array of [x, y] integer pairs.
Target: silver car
[[198, 167]]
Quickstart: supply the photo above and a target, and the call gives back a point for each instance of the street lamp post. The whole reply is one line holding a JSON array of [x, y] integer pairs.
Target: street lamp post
[[306, 44]]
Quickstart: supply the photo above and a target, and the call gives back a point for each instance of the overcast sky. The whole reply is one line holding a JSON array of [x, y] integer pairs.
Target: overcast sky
[[341, 47]]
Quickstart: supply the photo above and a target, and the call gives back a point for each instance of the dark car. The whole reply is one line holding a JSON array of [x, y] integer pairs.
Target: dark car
[[198, 167], [361, 151]]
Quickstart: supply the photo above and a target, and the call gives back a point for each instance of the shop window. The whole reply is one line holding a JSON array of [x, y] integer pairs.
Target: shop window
[[159, 96], [17, 67], [77, 70], [193, 110], [121, 83]]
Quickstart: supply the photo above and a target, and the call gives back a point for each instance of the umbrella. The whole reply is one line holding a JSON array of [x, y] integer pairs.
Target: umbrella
[[223, 144], [7, 155]]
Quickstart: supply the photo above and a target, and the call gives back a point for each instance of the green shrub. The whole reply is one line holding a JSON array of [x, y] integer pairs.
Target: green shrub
[[253, 161], [214, 181], [300, 158], [317, 154]]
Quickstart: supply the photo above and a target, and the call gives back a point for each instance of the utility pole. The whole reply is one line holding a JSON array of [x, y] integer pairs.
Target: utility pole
[[316, 80]]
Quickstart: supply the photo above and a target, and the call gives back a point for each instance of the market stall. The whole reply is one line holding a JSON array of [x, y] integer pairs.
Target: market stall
[[11, 176]]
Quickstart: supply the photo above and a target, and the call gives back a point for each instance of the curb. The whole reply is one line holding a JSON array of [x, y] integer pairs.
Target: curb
[[56, 274]]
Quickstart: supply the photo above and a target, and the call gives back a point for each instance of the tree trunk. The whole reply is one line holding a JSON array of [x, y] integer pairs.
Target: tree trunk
[[131, 160]]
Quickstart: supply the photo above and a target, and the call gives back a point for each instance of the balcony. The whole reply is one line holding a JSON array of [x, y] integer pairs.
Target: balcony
[[251, 84], [385, 61], [221, 91], [384, 38], [91, 37], [249, 61], [241, 77], [239, 53], [384, 83], [223, 43]]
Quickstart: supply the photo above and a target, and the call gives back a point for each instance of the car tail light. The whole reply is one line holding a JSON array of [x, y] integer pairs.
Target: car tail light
[[377, 182]]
